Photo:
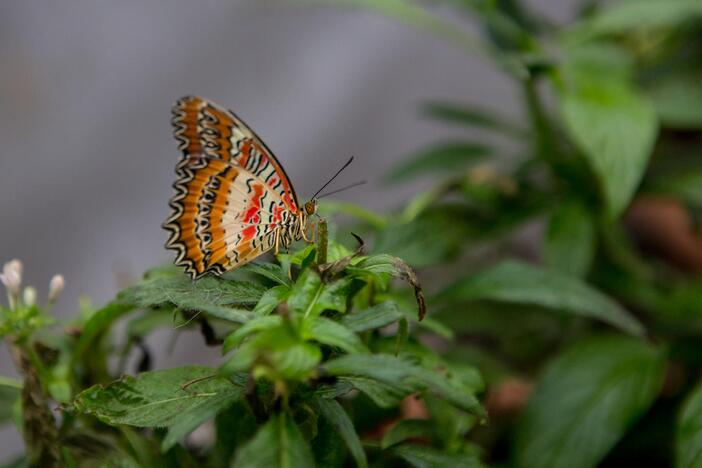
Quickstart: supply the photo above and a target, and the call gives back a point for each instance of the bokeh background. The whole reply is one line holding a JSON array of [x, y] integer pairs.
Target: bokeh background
[[85, 92]]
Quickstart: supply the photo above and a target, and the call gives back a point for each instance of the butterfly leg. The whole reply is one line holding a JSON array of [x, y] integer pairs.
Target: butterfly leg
[[277, 241], [303, 232]]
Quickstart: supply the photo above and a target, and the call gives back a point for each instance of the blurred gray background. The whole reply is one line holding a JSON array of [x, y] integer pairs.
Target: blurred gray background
[[87, 156]]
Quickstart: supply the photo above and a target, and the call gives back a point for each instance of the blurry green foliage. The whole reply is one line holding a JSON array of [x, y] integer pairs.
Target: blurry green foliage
[[565, 345]]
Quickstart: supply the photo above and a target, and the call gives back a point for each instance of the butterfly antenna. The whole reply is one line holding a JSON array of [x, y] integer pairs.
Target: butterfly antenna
[[342, 189], [333, 177]]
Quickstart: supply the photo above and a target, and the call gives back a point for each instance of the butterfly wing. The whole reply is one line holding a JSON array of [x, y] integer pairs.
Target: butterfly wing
[[204, 129], [232, 196]]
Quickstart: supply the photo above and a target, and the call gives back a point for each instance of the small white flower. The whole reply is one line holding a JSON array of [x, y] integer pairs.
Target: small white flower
[[30, 296], [56, 285], [11, 277]]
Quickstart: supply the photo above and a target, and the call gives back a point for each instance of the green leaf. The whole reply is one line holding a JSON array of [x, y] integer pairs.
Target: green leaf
[[378, 316], [194, 417], [332, 411], [442, 159], [612, 123], [432, 238], [688, 443], [335, 295], [331, 207], [376, 265], [678, 100], [158, 398], [271, 271], [427, 457], [385, 395], [229, 314], [309, 296], [407, 429], [278, 444], [253, 326], [402, 334], [622, 16], [586, 400], [403, 375], [98, 323], [569, 244], [305, 293], [687, 186], [520, 283], [176, 288], [472, 116], [331, 333], [284, 355], [270, 300], [406, 12], [10, 390]]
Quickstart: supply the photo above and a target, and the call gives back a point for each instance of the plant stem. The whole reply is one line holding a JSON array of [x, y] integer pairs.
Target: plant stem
[[322, 232], [39, 427]]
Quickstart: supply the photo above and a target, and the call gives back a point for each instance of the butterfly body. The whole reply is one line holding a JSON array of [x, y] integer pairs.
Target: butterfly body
[[233, 199]]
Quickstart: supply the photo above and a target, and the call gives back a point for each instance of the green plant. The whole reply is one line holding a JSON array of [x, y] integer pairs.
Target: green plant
[[583, 338], [315, 353], [593, 316]]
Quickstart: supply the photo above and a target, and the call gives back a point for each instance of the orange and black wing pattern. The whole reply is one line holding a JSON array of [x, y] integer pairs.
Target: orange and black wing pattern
[[232, 196]]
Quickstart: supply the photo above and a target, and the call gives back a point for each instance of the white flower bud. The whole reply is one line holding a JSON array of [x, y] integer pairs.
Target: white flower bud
[[11, 277], [56, 285], [30, 296]]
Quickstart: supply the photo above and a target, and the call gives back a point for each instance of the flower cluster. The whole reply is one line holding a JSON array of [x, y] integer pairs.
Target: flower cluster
[[22, 314]]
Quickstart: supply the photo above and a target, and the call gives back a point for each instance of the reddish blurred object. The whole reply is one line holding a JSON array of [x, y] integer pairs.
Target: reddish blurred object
[[662, 226], [508, 397]]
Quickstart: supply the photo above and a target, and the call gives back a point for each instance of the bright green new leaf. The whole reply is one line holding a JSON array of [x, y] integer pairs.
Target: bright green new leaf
[[332, 411], [688, 439], [158, 398], [305, 293], [258, 324], [270, 300], [520, 283], [569, 244], [586, 400], [442, 159], [278, 444], [331, 333], [612, 123], [284, 355]]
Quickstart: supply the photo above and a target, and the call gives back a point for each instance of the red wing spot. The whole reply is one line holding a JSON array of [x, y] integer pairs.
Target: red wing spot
[[255, 207], [248, 233]]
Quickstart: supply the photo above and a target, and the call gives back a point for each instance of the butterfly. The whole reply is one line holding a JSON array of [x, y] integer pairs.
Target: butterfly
[[233, 199]]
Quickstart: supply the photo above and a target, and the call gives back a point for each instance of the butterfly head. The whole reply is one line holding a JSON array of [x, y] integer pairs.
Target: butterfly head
[[311, 207]]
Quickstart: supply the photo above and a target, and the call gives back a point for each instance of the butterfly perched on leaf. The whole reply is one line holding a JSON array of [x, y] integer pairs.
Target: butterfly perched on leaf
[[233, 199]]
